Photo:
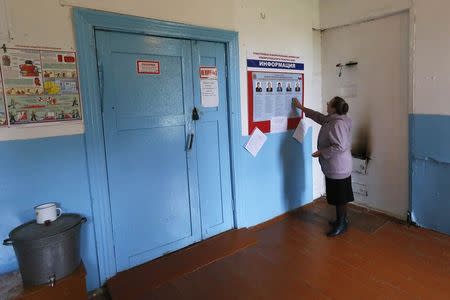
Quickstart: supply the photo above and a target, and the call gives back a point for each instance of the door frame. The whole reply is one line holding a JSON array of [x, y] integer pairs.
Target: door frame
[[86, 21]]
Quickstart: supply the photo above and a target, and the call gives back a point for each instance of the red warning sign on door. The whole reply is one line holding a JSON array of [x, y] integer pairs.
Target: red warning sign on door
[[208, 73], [148, 67]]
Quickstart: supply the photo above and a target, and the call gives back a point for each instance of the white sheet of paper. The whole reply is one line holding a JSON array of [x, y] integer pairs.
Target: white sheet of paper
[[278, 124], [256, 141], [300, 131], [210, 92]]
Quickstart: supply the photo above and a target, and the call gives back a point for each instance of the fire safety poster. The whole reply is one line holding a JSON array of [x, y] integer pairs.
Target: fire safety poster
[[273, 80], [40, 86], [3, 117]]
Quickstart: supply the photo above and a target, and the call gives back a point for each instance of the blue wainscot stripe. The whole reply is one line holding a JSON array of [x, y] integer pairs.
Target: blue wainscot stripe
[[430, 171]]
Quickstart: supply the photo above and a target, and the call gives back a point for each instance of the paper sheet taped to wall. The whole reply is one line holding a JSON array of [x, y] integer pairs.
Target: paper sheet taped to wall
[[278, 124], [300, 131], [256, 141]]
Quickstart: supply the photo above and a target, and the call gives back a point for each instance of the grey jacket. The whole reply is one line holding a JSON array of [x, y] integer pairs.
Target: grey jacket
[[334, 144]]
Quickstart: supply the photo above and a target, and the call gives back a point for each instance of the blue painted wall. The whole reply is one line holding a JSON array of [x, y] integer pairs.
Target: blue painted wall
[[279, 179], [430, 171], [43, 170]]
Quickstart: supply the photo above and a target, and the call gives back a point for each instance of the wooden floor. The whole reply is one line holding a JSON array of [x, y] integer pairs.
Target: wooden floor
[[377, 258]]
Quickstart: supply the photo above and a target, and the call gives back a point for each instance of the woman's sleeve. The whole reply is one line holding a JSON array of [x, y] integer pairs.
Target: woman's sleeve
[[338, 140], [315, 116]]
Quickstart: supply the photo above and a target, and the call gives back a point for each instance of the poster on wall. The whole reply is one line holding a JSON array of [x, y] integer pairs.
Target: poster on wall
[[273, 80], [3, 117], [41, 86]]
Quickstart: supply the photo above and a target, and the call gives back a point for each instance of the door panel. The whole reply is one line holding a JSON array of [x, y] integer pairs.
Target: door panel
[[152, 178], [378, 104], [213, 153]]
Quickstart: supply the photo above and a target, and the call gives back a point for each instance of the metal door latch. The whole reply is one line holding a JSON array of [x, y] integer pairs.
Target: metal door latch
[[195, 115]]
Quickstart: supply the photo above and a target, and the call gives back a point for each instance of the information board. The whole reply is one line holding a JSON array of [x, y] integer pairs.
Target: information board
[[273, 80]]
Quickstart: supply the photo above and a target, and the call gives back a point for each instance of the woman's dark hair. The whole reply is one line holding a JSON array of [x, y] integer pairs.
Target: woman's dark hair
[[340, 105]]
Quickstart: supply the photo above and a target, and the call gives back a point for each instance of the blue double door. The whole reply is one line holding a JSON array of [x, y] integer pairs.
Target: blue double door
[[168, 170]]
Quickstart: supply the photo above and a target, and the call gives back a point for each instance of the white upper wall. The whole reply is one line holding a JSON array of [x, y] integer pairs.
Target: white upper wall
[[431, 46], [286, 28], [340, 12], [432, 57]]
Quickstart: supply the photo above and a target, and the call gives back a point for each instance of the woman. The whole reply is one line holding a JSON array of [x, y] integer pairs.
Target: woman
[[334, 145]]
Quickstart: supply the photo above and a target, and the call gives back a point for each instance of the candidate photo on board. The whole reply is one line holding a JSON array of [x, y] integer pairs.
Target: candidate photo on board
[[297, 86], [258, 87], [279, 87], [269, 87], [288, 87]]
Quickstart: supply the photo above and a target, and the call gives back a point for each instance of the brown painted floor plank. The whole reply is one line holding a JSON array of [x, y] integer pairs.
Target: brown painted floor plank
[[378, 258], [151, 275]]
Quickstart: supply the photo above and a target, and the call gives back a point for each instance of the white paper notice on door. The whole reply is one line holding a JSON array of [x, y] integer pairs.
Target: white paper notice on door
[[256, 141], [209, 87]]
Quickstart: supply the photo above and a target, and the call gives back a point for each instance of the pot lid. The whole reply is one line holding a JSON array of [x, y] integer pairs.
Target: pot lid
[[34, 231]]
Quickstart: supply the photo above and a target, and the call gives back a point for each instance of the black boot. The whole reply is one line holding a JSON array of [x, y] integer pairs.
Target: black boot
[[341, 223], [334, 223], [338, 229]]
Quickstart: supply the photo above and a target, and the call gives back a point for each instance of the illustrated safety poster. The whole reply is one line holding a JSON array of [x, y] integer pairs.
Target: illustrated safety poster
[[3, 119], [40, 86], [273, 80]]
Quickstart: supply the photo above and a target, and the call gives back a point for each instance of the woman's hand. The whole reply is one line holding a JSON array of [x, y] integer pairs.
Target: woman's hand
[[297, 103], [316, 154]]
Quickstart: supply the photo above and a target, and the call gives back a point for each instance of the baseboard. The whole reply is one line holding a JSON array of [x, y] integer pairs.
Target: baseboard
[[281, 217], [374, 211]]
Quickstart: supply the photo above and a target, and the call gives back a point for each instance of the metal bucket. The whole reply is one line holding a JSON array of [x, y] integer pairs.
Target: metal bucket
[[47, 253]]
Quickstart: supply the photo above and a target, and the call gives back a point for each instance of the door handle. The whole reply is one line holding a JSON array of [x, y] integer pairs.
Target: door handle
[[190, 141]]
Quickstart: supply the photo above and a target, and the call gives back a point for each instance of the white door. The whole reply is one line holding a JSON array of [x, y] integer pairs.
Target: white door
[[377, 92]]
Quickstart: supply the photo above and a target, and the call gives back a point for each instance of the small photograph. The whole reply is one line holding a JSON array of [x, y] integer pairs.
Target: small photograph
[[37, 81], [297, 86], [269, 87], [279, 87], [288, 87], [6, 60], [258, 87]]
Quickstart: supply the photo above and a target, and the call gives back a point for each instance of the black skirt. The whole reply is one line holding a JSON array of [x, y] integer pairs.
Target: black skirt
[[339, 191]]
